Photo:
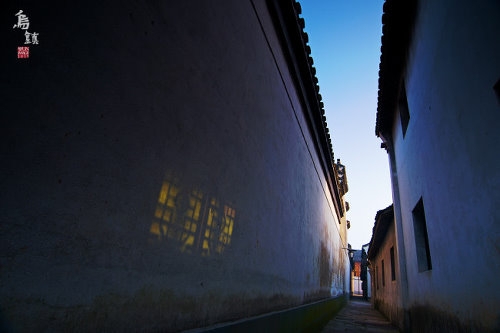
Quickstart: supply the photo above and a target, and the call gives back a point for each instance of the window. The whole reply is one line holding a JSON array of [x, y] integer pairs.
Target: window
[[383, 274], [421, 239], [496, 87], [404, 112], [393, 267], [376, 277]]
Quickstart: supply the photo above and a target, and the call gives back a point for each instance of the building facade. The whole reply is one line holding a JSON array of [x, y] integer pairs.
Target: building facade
[[360, 278], [165, 166], [439, 96], [356, 274], [382, 255], [365, 272]]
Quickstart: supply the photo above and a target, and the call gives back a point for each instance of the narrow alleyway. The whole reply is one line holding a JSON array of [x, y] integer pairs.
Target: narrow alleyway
[[359, 316]]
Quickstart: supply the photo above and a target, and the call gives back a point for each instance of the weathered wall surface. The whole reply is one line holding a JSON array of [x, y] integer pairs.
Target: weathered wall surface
[[449, 158], [157, 171], [385, 291]]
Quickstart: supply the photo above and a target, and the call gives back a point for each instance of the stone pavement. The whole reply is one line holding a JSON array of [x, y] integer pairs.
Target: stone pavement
[[359, 316]]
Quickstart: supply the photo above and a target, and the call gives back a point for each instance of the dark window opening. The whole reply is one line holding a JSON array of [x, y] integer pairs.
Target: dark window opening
[[496, 87], [377, 277], [421, 238], [383, 274], [393, 267], [404, 112]]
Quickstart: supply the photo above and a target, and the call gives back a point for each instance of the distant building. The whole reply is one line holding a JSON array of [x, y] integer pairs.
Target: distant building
[[438, 117], [365, 272], [384, 268], [343, 188], [360, 277], [356, 274], [165, 165]]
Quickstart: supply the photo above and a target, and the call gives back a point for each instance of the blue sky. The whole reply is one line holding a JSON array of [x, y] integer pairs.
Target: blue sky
[[344, 37]]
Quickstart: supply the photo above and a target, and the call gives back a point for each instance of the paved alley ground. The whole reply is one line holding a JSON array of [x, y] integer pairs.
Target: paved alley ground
[[359, 316]]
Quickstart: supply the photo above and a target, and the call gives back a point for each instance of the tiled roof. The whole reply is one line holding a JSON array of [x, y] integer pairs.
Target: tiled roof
[[298, 53], [357, 255], [383, 220], [397, 25], [312, 71]]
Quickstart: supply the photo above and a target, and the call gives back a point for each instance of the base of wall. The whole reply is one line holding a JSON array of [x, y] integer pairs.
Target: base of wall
[[305, 318], [393, 313], [425, 318]]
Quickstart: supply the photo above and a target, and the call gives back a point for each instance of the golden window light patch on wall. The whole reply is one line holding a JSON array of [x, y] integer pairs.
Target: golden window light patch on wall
[[192, 221]]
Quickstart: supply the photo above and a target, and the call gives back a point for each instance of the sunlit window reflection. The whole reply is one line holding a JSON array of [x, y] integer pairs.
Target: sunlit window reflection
[[191, 220]]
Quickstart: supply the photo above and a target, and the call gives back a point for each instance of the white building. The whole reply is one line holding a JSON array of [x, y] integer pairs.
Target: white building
[[439, 119], [382, 257]]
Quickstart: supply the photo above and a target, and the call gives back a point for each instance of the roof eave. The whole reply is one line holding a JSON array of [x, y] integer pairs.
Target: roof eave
[[397, 29], [383, 219]]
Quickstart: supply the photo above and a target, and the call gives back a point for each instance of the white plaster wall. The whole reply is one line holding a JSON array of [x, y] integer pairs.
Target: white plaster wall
[[130, 96], [449, 157], [386, 298]]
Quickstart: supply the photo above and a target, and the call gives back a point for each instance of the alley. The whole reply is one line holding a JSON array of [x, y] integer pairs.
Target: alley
[[359, 316], [168, 166]]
